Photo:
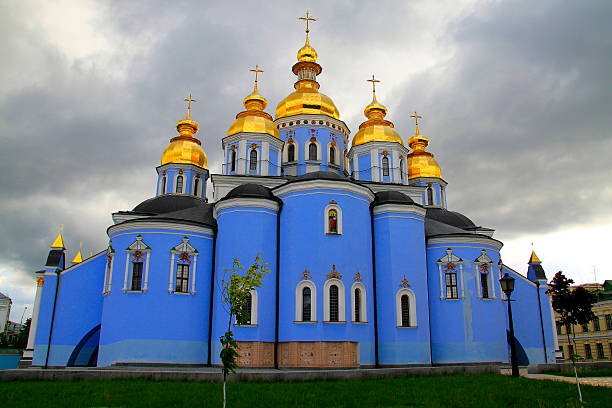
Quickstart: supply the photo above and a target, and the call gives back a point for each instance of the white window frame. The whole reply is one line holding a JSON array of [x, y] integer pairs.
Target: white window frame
[[137, 245], [286, 152], [163, 184], [336, 162], [184, 246], [307, 152], [313, 301], [257, 162], [451, 258], [483, 259], [411, 304], [196, 191], [363, 315], [254, 311], [176, 176], [108, 271], [341, 301], [338, 221]]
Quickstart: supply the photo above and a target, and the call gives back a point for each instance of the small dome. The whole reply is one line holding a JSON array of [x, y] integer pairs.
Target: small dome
[[450, 217], [420, 162], [254, 119], [250, 190], [307, 53], [376, 128], [320, 175], [391, 197], [185, 148], [168, 203]]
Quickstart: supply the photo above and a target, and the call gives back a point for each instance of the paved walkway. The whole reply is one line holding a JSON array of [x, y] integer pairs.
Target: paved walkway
[[596, 381]]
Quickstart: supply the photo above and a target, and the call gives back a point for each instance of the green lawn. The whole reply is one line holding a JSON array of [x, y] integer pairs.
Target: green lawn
[[585, 372], [448, 391]]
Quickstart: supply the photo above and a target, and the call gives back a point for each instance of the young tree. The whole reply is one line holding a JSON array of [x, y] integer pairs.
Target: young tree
[[574, 307], [235, 291], [22, 339]]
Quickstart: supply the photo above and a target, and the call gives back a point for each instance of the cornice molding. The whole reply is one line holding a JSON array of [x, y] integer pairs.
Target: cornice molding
[[245, 202], [478, 240], [400, 208], [319, 184], [157, 225]]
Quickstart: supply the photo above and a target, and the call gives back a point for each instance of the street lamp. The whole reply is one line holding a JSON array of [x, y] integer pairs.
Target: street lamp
[[507, 285]]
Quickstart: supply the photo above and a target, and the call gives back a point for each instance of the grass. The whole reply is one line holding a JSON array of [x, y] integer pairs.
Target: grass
[[584, 372], [486, 390]]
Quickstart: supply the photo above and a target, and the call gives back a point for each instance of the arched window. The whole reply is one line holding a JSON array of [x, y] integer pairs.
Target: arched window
[[253, 160], [163, 186], [196, 186], [233, 161], [246, 310], [385, 166], [332, 155], [136, 283], [332, 218], [312, 151], [402, 175], [429, 196], [358, 301], [306, 305], [442, 198], [406, 308], [179, 184], [333, 304], [357, 311], [291, 152]]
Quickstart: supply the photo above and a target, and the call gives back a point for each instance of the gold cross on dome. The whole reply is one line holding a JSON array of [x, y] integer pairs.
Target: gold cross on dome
[[189, 100], [307, 19], [373, 81], [256, 71], [416, 117]]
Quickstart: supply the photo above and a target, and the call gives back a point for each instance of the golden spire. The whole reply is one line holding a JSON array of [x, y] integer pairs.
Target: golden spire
[[307, 53], [307, 19], [78, 258], [189, 100], [59, 241], [420, 162], [255, 101], [256, 71], [416, 117], [534, 258], [374, 110]]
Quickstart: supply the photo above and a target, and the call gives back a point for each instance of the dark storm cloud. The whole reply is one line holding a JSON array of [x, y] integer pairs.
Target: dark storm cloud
[[517, 112]]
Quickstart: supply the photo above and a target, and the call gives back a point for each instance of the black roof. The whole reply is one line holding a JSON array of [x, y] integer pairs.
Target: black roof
[[168, 203], [320, 175], [55, 258], [433, 227], [391, 197], [250, 190], [452, 218], [539, 271]]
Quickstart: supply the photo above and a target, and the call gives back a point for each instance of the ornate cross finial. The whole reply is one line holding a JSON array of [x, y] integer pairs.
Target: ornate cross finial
[[373, 81], [307, 19], [61, 228], [189, 100], [416, 117], [256, 71]]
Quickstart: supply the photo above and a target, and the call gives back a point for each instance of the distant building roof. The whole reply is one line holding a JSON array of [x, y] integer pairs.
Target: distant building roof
[[3, 296]]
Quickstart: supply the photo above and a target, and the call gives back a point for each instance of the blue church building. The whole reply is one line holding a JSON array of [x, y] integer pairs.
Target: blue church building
[[368, 266]]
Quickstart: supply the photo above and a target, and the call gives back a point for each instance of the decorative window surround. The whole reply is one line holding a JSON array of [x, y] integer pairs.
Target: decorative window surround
[[254, 311], [134, 249], [336, 158], [326, 301], [333, 206], [363, 316], [484, 265], [108, 272], [412, 308], [286, 152], [313, 301], [307, 151], [185, 252], [448, 261]]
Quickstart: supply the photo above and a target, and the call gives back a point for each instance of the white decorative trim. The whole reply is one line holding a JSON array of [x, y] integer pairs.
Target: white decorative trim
[[193, 276], [411, 304], [265, 158], [450, 257], [313, 301], [324, 185], [340, 125], [236, 138], [150, 225], [254, 311], [341, 301], [400, 208], [363, 315], [80, 264], [296, 155], [171, 277], [108, 272], [307, 150], [465, 240], [337, 162], [374, 169], [338, 220], [125, 275], [483, 259], [176, 176], [244, 202], [145, 287]]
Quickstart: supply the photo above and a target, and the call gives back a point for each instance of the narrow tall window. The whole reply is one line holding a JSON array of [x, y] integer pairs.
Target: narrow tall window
[[600, 351], [196, 186], [357, 305], [136, 276], [306, 305], [385, 166], [570, 350], [233, 161], [608, 322], [405, 304], [163, 186], [585, 327], [451, 286], [332, 155], [312, 151], [253, 160], [484, 285], [179, 184], [588, 354], [333, 221], [559, 328], [596, 325], [333, 304], [429, 196], [402, 174], [247, 309], [291, 152], [182, 278]]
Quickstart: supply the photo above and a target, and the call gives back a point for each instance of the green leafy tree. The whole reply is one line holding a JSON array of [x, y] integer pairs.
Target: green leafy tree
[[22, 339], [3, 340], [236, 287], [574, 307]]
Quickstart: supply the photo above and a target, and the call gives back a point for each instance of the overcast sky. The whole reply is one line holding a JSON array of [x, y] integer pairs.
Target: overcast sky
[[516, 98]]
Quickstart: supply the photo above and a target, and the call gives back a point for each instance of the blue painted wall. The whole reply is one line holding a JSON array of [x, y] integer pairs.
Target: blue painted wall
[[302, 133]]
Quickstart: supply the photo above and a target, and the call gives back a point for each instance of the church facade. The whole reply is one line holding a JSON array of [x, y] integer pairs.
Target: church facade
[[368, 267]]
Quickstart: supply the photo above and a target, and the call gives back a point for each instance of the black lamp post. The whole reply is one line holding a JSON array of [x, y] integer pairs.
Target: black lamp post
[[507, 284]]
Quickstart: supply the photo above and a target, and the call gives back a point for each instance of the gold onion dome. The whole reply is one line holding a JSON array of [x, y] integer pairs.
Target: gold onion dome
[[376, 128], [254, 119], [420, 162], [185, 148], [307, 99]]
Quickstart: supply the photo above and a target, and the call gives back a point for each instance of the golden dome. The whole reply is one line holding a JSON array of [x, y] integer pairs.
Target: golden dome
[[307, 53], [421, 163], [307, 100], [185, 148], [376, 128], [254, 119]]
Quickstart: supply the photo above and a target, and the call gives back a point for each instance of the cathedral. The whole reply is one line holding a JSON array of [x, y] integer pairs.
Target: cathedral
[[368, 266]]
